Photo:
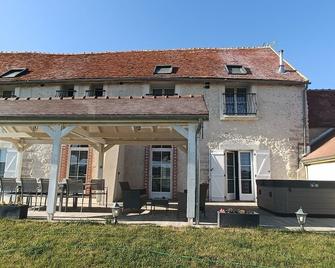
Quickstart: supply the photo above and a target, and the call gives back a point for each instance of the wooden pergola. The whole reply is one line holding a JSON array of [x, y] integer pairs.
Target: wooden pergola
[[103, 123]]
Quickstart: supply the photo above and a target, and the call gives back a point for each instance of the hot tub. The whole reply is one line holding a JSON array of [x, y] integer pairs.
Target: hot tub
[[286, 196]]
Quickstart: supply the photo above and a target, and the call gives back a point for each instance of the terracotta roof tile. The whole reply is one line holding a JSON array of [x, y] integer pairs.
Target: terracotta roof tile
[[104, 108], [189, 63], [321, 108], [327, 150]]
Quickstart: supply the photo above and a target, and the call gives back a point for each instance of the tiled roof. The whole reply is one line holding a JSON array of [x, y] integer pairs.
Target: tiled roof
[[325, 151], [263, 63], [321, 108], [104, 108]]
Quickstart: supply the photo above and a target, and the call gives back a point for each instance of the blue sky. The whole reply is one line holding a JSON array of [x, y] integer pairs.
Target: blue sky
[[304, 29]]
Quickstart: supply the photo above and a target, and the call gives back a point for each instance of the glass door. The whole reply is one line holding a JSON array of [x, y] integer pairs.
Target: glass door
[[161, 172], [230, 175], [246, 182], [78, 162]]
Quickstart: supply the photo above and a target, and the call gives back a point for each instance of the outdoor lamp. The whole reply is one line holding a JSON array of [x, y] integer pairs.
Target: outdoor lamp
[[301, 218], [116, 210]]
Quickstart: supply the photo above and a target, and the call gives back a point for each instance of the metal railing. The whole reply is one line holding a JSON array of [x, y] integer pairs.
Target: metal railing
[[63, 93], [95, 93], [239, 104]]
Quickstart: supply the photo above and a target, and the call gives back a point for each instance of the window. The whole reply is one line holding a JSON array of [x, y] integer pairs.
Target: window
[[163, 69], [66, 91], [238, 102], [14, 73], [162, 92], [7, 94], [78, 162], [2, 162], [236, 69], [95, 91]]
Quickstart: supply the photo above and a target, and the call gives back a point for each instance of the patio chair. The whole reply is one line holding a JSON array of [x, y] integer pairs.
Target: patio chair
[[98, 188], [132, 198], [75, 189], [203, 197], [29, 189], [44, 187], [8, 187]]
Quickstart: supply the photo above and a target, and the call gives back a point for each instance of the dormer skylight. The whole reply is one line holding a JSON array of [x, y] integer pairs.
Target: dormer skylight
[[236, 69], [14, 73], [163, 69]]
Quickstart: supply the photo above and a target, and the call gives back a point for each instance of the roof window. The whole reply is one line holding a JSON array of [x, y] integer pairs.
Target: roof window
[[236, 69], [163, 69], [14, 73]]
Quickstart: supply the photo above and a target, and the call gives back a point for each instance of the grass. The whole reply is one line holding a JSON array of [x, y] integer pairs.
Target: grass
[[42, 244]]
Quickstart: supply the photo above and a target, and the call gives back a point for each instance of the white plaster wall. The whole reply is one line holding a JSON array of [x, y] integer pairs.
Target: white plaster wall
[[324, 171], [278, 126], [36, 161]]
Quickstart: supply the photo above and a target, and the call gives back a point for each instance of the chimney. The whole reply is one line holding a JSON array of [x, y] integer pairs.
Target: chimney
[[281, 69]]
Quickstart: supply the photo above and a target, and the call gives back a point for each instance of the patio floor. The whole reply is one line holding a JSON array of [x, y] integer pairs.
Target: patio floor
[[162, 217]]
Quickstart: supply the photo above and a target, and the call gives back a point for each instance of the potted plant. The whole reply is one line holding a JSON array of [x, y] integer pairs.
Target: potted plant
[[13, 211], [237, 218]]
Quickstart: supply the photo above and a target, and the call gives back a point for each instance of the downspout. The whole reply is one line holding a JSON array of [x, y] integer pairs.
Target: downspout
[[197, 174], [304, 102]]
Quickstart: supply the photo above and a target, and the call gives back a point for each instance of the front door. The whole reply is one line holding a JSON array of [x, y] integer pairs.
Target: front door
[[246, 182], [161, 172]]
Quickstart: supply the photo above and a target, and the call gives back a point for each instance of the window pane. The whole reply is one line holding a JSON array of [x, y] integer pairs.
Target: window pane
[[246, 187], [245, 173], [156, 185], [166, 172], [156, 172], [169, 92], [166, 157], [231, 186], [230, 103], [165, 185], [230, 159], [156, 158], [157, 92], [245, 159]]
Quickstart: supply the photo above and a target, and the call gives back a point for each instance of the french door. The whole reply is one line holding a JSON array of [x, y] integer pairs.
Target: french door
[[161, 172], [246, 181], [231, 176], [77, 167]]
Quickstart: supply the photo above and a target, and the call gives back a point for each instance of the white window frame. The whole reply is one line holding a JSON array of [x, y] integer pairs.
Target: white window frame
[[69, 158]]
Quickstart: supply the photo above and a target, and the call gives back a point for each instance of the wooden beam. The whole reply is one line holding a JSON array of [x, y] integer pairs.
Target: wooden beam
[[182, 131], [87, 135]]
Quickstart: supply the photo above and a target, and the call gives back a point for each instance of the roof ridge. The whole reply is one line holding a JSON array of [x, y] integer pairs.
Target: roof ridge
[[136, 50]]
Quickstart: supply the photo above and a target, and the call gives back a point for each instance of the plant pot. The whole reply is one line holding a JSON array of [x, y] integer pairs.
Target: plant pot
[[238, 220], [14, 211]]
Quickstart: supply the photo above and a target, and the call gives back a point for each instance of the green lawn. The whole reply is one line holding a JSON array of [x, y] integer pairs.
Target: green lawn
[[42, 244]]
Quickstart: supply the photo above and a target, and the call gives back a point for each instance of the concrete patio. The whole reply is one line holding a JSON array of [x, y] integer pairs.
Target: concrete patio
[[162, 217]]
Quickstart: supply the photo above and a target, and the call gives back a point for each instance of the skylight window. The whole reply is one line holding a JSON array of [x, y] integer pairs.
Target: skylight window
[[236, 69], [14, 73], [163, 69]]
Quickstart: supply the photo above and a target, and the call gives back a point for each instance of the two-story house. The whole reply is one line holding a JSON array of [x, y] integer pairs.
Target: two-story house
[[256, 125]]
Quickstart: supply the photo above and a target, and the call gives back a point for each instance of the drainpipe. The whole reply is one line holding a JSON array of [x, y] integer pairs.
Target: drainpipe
[[304, 99], [197, 175]]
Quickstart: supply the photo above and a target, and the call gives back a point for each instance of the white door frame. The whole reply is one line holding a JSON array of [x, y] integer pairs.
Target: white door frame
[[246, 197], [167, 195], [82, 149]]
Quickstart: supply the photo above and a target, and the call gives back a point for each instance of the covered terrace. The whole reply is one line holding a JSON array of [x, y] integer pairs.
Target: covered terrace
[[102, 123]]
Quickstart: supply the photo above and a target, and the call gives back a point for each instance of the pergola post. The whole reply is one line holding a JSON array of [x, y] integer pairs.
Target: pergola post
[[191, 172], [19, 164], [101, 161], [56, 133]]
